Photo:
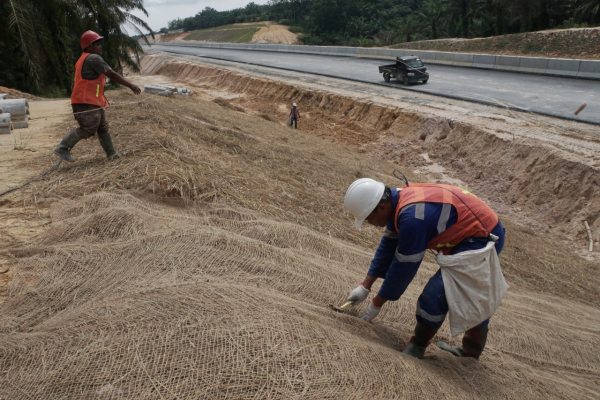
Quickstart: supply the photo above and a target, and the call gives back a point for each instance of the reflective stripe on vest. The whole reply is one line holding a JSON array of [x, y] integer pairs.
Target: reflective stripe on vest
[[86, 91], [474, 217]]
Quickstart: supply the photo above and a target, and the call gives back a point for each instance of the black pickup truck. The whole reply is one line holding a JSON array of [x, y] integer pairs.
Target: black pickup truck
[[406, 69]]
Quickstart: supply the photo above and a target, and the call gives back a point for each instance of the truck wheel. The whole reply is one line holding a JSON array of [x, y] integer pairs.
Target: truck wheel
[[386, 77], [405, 80], [425, 81]]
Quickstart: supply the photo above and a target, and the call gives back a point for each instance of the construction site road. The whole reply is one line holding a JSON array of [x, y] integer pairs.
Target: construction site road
[[553, 96]]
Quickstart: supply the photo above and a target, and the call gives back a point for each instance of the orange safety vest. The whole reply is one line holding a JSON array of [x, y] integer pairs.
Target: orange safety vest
[[474, 217], [88, 91]]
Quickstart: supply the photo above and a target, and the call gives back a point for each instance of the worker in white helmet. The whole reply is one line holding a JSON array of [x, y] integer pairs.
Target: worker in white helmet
[[294, 116], [443, 218]]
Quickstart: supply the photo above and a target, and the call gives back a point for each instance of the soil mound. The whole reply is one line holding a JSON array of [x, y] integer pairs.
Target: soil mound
[[275, 34], [17, 94]]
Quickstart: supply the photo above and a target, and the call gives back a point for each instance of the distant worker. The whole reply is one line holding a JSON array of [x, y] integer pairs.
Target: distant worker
[[446, 219], [88, 101], [294, 116]]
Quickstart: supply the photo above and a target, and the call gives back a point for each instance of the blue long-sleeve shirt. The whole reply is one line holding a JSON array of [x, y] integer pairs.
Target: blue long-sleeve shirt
[[399, 254]]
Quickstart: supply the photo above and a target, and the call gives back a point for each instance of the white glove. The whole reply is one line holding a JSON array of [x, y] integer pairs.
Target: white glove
[[358, 294], [370, 313]]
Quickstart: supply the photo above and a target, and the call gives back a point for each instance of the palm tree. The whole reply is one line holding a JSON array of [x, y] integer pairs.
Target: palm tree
[[433, 12], [20, 15], [109, 17], [47, 33], [588, 10]]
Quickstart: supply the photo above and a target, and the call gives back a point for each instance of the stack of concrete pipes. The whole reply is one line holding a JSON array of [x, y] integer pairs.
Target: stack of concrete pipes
[[14, 114]]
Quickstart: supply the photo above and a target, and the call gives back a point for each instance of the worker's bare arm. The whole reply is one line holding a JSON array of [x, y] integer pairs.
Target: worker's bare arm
[[119, 79], [368, 281], [378, 301]]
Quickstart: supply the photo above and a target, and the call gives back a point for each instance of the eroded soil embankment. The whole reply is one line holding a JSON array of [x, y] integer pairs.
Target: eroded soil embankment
[[564, 43], [521, 177]]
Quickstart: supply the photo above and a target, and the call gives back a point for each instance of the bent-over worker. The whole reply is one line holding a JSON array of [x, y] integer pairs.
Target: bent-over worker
[[439, 217], [88, 101]]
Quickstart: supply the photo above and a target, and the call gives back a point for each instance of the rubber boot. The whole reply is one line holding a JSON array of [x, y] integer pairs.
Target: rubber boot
[[456, 350], [473, 343], [419, 342], [107, 145], [64, 147]]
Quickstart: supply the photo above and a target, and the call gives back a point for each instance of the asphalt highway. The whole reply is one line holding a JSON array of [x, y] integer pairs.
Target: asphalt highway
[[547, 95]]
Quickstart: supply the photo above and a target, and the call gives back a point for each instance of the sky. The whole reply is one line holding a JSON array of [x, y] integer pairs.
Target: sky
[[162, 11]]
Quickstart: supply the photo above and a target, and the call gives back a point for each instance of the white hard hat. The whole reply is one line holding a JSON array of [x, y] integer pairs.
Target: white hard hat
[[362, 197], [294, 104]]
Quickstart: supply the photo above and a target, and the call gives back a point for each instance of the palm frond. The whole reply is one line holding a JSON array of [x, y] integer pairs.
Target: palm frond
[[20, 21]]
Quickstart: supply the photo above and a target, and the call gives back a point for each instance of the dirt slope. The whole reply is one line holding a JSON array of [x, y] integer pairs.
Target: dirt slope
[[201, 263], [563, 43], [275, 34], [253, 32], [16, 94]]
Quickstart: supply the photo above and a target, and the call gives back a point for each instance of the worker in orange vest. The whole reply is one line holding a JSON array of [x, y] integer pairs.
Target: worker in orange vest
[[418, 217], [88, 101]]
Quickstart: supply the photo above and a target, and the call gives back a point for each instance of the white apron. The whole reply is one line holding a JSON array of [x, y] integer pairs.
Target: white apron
[[474, 286]]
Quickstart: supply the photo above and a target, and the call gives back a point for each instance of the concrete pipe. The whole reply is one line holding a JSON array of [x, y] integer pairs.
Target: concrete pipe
[[4, 123], [15, 107], [160, 90], [19, 118], [20, 124], [20, 121]]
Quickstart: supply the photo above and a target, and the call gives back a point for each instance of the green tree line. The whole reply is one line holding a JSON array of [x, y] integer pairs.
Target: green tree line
[[385, 22], [39, 39]]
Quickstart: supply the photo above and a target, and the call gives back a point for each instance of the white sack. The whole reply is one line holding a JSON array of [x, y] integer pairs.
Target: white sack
[[474, 286]]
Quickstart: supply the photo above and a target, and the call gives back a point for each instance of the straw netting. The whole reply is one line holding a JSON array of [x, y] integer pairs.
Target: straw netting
[[194, 151], [202, 263], [190, 150], [222, 303]]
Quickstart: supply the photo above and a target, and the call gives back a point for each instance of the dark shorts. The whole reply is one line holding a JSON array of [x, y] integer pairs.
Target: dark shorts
[[91, 119]]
